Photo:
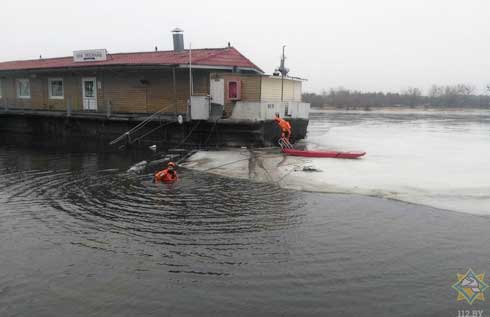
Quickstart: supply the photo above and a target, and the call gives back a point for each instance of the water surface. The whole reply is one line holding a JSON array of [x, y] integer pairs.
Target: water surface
[[81, 237]]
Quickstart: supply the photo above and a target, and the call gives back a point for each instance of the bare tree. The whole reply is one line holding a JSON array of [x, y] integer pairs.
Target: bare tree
[[413, 95], [435, 93], [444, 96], [486, 100]]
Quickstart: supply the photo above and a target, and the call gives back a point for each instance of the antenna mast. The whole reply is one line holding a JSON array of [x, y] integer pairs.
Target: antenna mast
[[283, 70], [191, 88]]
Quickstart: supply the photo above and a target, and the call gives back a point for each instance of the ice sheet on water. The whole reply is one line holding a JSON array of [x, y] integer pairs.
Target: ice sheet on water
[[430, 160]]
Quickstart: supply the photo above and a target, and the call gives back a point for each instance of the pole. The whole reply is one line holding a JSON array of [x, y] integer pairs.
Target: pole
[[191, 85], [282, 74], [175, 91], [191, 88]]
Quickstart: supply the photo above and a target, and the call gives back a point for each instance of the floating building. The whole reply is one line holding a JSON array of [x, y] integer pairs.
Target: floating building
[[198, 97]]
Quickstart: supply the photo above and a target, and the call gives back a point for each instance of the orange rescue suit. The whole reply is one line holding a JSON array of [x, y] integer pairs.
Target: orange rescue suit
[[166, 176], [285, 127]]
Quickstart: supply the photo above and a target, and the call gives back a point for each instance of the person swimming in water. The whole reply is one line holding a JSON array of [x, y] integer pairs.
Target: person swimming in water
[[167, 175]]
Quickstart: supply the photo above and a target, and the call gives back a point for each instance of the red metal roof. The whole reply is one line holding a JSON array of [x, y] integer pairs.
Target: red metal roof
[[228, 56]]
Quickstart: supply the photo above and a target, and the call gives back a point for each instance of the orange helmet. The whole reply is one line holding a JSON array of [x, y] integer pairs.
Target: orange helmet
[[171, 164]]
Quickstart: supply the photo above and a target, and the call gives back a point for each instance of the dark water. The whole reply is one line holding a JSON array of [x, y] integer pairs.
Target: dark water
[[81, 237]]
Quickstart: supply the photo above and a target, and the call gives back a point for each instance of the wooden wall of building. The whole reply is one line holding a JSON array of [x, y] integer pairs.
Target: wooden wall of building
[[251, 87], [39, 92], [126, 91], [161, 90], [271, 89]]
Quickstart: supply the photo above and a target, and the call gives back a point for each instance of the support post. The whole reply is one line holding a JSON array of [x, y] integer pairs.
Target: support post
[[282, 87], [191, 82], [68, 106], [174, 86], [109, 109]]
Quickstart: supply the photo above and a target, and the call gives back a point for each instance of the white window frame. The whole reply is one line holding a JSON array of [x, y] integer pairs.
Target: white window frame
[[50, 80], [17, 82]]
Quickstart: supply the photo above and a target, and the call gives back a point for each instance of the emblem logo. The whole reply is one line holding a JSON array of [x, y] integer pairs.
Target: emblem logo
[[470, 286]]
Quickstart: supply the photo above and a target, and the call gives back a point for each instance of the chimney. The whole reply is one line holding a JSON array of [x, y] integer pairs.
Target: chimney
[[178, 35]]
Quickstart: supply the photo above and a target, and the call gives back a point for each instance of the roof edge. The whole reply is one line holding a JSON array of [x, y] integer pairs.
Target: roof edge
[[109, 54]]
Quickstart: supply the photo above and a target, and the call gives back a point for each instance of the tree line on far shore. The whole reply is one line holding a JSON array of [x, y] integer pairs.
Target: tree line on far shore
[[460, 95]]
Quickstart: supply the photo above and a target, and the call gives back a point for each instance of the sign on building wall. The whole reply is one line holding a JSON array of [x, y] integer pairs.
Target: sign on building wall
[[90, 55]]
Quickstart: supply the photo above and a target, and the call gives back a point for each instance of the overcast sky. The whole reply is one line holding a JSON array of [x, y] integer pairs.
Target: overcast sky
[[383, 45]]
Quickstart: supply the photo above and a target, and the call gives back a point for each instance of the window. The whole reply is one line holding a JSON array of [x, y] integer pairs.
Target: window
[[0, 88], [55, 87], [23, 88]]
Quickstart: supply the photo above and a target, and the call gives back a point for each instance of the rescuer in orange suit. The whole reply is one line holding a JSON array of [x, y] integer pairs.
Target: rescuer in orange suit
[[167, 175], [284, 125]]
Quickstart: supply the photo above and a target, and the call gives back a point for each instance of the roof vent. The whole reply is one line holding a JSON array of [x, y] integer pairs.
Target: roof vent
[[178, 36]]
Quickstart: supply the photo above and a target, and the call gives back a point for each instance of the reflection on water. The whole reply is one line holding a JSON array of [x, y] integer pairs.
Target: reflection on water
[[80, 237]]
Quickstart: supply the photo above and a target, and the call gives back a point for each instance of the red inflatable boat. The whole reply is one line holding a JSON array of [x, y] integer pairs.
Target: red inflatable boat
[[334, 154]]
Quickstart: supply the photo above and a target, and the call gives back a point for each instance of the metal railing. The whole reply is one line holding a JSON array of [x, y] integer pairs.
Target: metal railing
[[284, 143], [127, 135]]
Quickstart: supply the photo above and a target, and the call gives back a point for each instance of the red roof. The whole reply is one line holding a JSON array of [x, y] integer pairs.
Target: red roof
[[228, 57]]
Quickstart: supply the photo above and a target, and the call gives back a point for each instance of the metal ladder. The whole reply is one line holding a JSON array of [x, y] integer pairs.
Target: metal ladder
[[284, 143]]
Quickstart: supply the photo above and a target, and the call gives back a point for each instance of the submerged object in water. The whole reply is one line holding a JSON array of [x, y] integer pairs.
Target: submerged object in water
[[309, 168], [138, 167], [333, 154]]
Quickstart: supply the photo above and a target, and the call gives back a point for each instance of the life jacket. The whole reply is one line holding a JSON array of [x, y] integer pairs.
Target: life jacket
[[166, 176], [283, 124]]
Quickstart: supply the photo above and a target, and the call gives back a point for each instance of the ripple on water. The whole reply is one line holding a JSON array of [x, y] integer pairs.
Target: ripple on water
[[215, 218]]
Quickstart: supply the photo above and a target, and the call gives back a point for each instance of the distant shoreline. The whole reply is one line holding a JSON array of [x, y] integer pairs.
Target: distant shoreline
[[397, 108]]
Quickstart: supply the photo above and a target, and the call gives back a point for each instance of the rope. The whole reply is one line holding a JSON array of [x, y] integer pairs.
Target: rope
[[185, 157], [150, 132], [211, 132], [287, 174], [267, 172], [190, 133]]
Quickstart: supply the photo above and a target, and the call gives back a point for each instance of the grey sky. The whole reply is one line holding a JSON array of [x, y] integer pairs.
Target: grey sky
[[368, 45]]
